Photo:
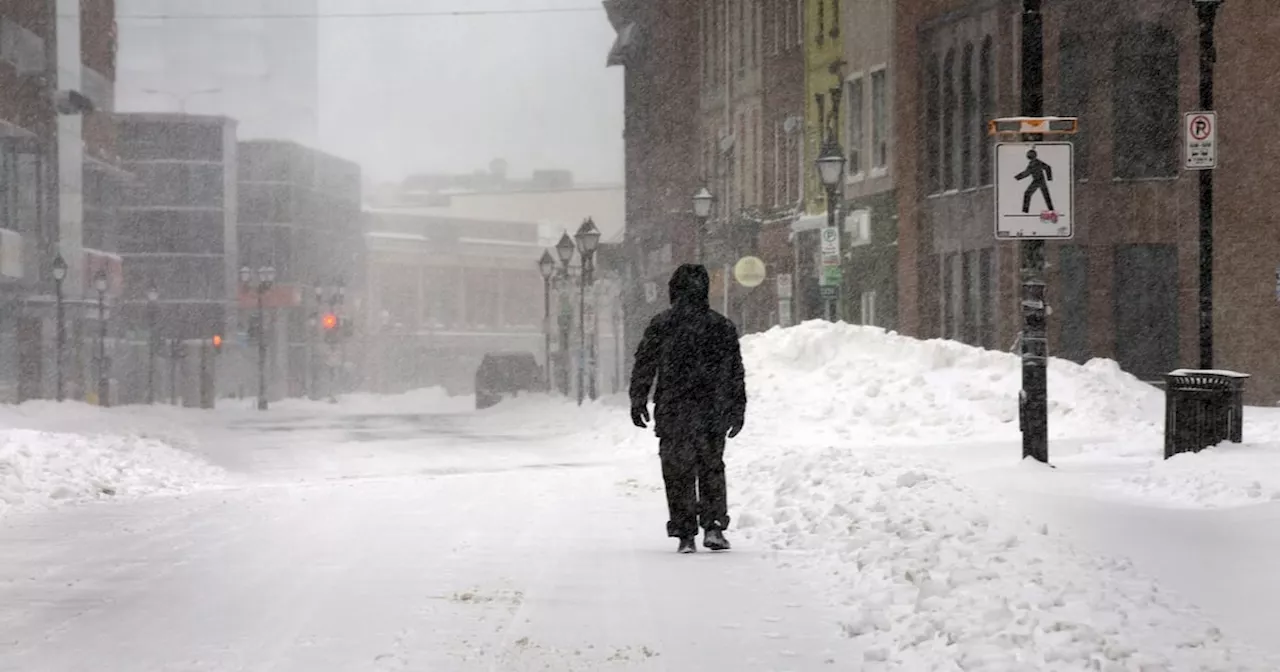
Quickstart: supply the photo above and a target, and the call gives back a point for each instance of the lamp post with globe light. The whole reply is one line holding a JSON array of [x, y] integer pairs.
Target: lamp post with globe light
[[588, 237], [830, 164], [702, 202], [59, 275], [153, 295], [259, 283], [104, 386], [564, 251], [546, 266]]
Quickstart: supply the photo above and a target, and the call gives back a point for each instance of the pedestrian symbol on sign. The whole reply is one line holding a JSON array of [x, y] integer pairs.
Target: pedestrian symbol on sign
[[1041, 174], [1033, 190]]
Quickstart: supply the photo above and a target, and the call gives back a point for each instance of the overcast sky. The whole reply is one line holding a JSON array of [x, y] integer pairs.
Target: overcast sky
[[450, 93]]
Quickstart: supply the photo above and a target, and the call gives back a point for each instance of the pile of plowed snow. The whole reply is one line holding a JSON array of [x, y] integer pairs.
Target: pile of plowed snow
[[43, 468], [870, 385]]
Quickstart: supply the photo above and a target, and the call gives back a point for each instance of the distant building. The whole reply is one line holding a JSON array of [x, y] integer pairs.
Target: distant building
[[177, 233], [443, 291], [264, 73], [299, 213]]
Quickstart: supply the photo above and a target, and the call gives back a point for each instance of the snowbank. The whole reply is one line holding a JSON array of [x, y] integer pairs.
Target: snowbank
[[42, 468], [880, 387], [937, 577]]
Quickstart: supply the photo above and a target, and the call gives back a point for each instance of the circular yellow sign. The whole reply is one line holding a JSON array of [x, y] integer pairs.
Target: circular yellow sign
[[749, 271]]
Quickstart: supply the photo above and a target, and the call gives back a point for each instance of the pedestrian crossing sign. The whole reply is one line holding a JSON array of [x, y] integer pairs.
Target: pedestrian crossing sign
[[1035, 191]]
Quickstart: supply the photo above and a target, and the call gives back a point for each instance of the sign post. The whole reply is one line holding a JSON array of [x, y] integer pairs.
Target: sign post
[[1200, 141], [831, 278], [1034, 203]]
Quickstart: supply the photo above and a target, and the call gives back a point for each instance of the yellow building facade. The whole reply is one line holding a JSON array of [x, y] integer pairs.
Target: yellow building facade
[[824, 74]]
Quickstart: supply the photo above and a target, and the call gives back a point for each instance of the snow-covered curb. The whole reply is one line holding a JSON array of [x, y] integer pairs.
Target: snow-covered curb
[[39, 469]]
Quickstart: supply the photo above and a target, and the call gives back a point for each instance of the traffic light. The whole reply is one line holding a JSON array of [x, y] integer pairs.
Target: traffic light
[[217, 343], [329, 321]]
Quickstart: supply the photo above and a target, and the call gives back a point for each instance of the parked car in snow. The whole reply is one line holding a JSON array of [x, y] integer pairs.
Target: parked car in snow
[[503, 374]]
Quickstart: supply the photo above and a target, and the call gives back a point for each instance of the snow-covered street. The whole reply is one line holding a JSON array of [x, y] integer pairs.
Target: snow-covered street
[[882, 521], [466, 549]]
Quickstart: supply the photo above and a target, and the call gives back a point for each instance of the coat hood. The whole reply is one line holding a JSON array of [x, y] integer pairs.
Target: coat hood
[[690, 286]]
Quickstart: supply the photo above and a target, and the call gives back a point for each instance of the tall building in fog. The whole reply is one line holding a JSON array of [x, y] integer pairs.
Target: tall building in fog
[[255, 61]]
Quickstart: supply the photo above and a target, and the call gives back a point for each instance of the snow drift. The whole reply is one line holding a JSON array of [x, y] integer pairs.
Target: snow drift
[[43, 468], [883, 387]]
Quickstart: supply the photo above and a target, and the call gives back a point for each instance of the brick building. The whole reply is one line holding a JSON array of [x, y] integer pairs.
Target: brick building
[[658, 45], [58, 180], [1126, 286]]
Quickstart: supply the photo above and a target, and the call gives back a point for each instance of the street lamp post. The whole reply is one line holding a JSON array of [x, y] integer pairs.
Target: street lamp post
[[152, 296], [564, 250], [59, 275], [830, 164], [547, 266], [588, 237], [702, 210], [1207, 11], [260, 283], [104, 386]]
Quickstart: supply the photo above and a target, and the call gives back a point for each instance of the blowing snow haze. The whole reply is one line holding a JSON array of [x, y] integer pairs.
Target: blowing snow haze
[[639, 335]]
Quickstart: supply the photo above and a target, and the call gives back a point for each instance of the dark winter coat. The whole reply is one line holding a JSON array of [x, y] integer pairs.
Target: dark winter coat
[[693, 353]]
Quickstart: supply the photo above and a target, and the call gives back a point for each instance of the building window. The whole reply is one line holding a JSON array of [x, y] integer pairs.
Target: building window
[[1074, 85], [743, 39], [879, 120], [820, 35], [799, 28], [986, 315], [969, 299], [949, 296], [853, 96], [705, 38], [969, 113], [757, 21], [1145, 106], [759, 162], [986, 96], [774, 18], [835, 19], [1073, 303], [949, 122], [933, 124], [869, 317], [777, 166]]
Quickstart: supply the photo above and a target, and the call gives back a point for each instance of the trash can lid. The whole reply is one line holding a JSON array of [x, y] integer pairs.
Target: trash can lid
[[1209, 372]]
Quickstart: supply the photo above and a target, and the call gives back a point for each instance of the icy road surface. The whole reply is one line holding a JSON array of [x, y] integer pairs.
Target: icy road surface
[[427, 542]]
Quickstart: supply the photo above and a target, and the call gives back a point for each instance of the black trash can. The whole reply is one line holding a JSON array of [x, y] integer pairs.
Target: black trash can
[[1202, 409]]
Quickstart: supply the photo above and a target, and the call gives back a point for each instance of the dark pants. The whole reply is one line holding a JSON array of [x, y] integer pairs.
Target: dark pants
[[693, 471]]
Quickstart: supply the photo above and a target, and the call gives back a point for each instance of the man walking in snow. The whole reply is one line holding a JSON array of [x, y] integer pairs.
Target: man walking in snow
[[701, 397]]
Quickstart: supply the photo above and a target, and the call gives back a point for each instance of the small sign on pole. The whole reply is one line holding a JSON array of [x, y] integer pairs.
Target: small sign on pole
[[784, 285], [1200, 140], [1034, 191]]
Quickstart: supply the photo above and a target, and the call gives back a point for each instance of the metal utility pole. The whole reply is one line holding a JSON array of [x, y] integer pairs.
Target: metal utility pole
[[1034, 409], [1208, 14]]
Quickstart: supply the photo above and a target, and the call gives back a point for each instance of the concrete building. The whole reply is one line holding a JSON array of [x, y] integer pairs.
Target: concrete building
[[550, 198], [177, 235], [1126, 286], [261, 71], [59, 177], [658, 45], [444, 291], [300, 213]]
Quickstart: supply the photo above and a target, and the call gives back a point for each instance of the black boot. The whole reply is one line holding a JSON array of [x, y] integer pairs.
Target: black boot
[[687, 545], [714, 540]]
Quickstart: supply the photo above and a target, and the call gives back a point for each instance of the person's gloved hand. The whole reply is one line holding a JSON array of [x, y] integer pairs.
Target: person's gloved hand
[[735, 425], [639, 415]]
